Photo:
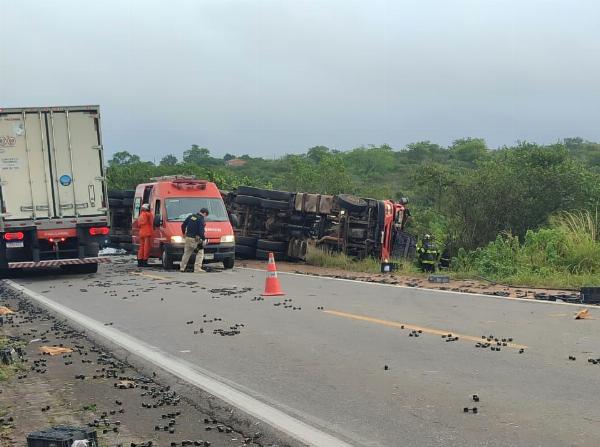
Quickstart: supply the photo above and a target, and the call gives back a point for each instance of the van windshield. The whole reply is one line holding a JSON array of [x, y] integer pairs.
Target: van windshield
[[179, 209]]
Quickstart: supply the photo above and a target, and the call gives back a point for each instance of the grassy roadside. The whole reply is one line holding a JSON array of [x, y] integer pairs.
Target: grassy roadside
[[521, 278], [320, 258], [8, 371], [565, 255]]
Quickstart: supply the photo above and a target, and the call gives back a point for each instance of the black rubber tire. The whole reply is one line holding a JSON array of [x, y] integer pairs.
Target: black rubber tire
[[121, 193], [271, 194], [128, 201], [351, 203], [245, 252], [246, 240], [264, 244], [274, 204], [228, 263], [167, 260], [92, 249], [247, 200], [115, 203], [249, 191], [80, 269], [264, 255]]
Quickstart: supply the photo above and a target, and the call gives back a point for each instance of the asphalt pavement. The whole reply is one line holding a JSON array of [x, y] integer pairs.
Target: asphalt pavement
[[365, 363]]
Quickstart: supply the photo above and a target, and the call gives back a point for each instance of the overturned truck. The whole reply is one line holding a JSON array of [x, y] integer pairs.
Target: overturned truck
[[285, 223]]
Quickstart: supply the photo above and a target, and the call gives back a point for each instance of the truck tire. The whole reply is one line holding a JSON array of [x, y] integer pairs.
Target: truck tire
[[264, 255], [249, 191], [121, 193], [282, 196], [245, 252], [167, 260], [247, 200], [246, 240], [269, 194], [351, 203], [127, 202], [264, 244], [115, 203], [274, 204], [228, 263], [92, 249]]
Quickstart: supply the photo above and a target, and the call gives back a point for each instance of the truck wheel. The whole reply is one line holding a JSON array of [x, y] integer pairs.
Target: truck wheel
[[264, 244], [167, 260], [246, 240], [228, 263], [264, 255], [351, 203], [274, 204], [271, 194], [247, 200], [244, 251], [249, 191], [80, 268], [121, 193]]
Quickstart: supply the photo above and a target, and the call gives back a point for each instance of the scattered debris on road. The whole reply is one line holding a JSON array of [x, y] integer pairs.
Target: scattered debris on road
[[85, 385]]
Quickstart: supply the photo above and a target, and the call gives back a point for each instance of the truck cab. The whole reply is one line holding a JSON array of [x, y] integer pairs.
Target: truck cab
[[172, 199]]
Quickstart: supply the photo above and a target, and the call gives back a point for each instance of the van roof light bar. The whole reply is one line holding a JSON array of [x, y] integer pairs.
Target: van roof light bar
[[171, 178]]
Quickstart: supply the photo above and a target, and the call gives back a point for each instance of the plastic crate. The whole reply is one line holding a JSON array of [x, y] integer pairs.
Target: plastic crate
[[387, 267], [61, 436], [439, 279], [590, 295]]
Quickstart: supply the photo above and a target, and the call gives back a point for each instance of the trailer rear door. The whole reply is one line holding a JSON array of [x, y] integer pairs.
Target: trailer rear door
[[24, 175], [50, 163], [76, 163]]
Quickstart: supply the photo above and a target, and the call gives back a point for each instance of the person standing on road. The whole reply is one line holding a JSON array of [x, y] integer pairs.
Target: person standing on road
[[144, 223], [193, 231]]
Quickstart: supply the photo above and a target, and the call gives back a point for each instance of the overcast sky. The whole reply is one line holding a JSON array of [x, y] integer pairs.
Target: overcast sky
[[269, 77]]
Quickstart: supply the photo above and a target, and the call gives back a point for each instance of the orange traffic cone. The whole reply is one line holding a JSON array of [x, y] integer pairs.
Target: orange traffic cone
[[272, 287]]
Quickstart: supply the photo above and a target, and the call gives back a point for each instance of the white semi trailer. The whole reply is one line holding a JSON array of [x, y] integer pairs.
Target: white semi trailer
[[53, 198]]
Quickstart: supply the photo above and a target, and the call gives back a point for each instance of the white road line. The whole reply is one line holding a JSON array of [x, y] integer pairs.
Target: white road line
[[424, 289], [276, 418]]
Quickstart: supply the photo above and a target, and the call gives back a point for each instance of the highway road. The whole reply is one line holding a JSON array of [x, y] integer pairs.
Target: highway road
[[321, 357]]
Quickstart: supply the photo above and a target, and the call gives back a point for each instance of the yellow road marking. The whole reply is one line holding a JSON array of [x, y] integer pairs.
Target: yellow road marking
[[163, 278], [415, 328]]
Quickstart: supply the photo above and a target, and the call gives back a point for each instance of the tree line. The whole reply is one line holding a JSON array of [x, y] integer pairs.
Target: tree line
[[465, 194]]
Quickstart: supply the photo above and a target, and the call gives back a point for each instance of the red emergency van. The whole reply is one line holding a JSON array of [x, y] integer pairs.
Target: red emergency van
[[172, 199]]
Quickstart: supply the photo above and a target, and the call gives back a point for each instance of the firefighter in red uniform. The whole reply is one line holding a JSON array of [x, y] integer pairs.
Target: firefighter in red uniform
[[144, 223]]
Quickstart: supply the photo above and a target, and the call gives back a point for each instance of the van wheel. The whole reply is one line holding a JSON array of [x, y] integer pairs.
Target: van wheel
[[167, 260], [228, 263]]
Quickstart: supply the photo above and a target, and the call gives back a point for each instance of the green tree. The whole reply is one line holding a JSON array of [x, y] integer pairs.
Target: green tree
[[123, 158], [196, 155], [468, 150], [169, 160], [317, 153]]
